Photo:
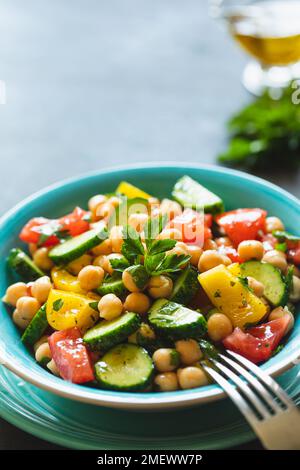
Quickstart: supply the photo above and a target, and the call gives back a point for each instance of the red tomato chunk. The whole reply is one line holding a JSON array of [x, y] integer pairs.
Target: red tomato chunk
[[71, 356], [193, 226], [242, 224], [259, 342]]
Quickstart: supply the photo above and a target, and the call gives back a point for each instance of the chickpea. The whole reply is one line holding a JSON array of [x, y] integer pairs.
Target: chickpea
[[95, 201], [209, 244], [257, 286], [195, 252], [76, 266], [146, 331], [280, 312], [42, 260], [192, 377], [219, 326], [170, 208], [53, 368], [160, 286], [277, 259], [110, 307], [210, 259], [114, 201], [166, 382], [90, 277], [137, 302], [129, 282], [40, 289], [43, 352], [172, 233], [138, 221], [295, 292], [223, 241], [103, 249], [166, 359], [32, 247], [104, 211], [21, 322], [27, 307], [14, 292], [189, 351], [116, 237], [104, 262], [251, 249], [274, 223], [42, 340], [179, 249]]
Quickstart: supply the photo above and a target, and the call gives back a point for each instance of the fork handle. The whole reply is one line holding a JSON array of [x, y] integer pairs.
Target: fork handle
[[281, 432]]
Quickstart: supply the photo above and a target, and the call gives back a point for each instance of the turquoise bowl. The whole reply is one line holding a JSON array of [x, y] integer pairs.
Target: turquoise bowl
[[237, 190]]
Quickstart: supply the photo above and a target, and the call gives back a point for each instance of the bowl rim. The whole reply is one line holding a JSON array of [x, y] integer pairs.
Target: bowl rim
[[131, 400]]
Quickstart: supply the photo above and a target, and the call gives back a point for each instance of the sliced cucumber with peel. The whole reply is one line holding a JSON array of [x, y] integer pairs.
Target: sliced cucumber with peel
[[107, 334], [23, 265], [176, 321], [36, 327], [126, 367], [276, 288], [190, 193], [75, 247], [112, 285], [186, 286]]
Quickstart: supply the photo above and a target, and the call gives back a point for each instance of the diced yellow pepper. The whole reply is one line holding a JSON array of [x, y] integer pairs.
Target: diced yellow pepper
[[231, 297], [131, 191], [68, 309], [234, 268], [63, 280]]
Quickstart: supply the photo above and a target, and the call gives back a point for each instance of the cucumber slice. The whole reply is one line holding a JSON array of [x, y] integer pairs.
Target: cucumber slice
[[190, 193], [107, 334], [176, 321], [185, 286], [23, 265], [126, 367], [112, 285], [276, 289], [36, 327], [77, 246]]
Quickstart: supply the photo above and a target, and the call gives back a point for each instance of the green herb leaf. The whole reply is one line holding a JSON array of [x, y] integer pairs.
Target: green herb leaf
[[132, 247], [94, 305], [119, 264], [57, 304], [170, 264], [160, 246], [153, 228]]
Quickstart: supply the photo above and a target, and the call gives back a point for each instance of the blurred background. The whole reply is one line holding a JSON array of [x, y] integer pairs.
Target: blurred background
[[101, 83], [94, 84]]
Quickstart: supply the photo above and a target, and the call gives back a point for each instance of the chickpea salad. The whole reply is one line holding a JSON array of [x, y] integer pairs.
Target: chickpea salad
[[134, 293]]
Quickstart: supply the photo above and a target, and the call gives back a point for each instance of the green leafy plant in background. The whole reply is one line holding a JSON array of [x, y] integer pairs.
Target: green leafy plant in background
[[265, 134]]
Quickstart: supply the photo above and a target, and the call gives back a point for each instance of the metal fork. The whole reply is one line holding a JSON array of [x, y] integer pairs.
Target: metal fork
[[270, 412]]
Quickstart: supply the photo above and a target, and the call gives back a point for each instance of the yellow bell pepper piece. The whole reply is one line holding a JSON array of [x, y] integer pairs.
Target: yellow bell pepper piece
[[234, 268], [131, 191], [63, 280], [68, 309], [231, 297], [76, 266]]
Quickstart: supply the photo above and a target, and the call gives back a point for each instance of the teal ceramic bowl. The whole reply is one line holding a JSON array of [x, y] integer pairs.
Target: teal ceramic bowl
[[237, 190]]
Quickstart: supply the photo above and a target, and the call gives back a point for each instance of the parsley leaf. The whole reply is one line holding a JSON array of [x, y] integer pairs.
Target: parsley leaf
[[153, 228], [57, 304], [160, 246], [119, 264], [132, 247], [171, 264]]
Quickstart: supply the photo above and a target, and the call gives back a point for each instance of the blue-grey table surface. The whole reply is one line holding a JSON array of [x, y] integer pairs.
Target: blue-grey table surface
[[97, 83]]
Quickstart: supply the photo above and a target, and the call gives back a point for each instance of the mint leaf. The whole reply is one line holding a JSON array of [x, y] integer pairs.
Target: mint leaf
[[132, 247], [57, 304]]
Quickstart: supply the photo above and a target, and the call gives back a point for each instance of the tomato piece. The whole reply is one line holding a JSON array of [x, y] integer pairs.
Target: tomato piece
[[269, 241], [293, 254], [230, 252], [32, 231], [71, 356], [259, 342], [242, 224], [75, 223], [193, 226]]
